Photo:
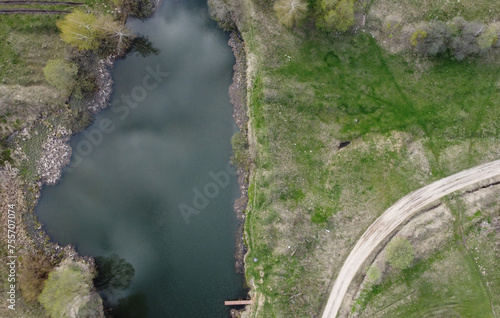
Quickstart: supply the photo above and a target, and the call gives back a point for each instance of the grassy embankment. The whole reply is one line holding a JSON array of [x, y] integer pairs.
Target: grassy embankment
[[410, 120]]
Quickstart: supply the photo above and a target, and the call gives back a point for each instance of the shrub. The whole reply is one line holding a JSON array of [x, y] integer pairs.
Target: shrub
[[400, 253], [465, 43], [456, 25], [5, 154], [458, 36], [373, 274], [339, 14], [437, 39], [488, 38], [60, 74], [290, 12], [33, 272]]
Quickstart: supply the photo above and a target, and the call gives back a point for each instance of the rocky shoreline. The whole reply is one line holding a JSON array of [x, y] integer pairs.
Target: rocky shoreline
[[237, 95]]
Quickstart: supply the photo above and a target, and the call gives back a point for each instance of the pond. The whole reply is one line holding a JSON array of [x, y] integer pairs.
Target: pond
[[149, 185]]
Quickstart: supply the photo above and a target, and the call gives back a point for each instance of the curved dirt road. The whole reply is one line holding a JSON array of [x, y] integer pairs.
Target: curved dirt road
[[393, 217]]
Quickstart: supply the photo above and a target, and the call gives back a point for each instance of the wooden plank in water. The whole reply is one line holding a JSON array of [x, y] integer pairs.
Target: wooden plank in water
[[238, 302]]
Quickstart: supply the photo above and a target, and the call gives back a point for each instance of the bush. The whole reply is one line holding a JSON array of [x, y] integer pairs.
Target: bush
[[290, 12], [373, 274], [488, 38], [400, 253], [33, 272], [465, 44], [60, 74], [437, 39], [4, 153], [459, 37], [339, 14]]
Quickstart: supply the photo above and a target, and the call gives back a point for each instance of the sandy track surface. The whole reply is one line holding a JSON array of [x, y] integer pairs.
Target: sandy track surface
[[400, 212]]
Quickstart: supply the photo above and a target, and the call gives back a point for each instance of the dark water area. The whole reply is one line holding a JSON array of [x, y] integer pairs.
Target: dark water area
[[149, 180]]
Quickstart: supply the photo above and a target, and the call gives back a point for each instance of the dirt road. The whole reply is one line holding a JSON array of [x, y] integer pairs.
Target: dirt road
[[401, 211]]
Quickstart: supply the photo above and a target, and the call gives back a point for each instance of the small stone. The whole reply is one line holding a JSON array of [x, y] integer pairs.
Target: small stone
[[255, 259]]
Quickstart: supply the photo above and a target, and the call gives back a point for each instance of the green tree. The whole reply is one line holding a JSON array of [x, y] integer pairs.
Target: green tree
[[78, 29], [68, 290], [290, 12], [60, 74], [339, 14], [88, 32], [400, 253]]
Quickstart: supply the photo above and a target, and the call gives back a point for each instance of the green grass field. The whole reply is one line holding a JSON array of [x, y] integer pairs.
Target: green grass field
[[410, 120]]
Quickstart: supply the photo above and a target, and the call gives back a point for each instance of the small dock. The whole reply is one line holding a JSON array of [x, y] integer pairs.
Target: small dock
[[238, 302]]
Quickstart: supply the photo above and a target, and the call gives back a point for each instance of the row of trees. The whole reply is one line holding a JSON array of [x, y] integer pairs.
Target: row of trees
[[88, 32], [458, 36], [95, 35]]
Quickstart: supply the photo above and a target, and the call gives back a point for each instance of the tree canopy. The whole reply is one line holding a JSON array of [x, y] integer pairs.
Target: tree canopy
[[338, 14], [290, 12], [68, 290], [87, 31], [79, 29]]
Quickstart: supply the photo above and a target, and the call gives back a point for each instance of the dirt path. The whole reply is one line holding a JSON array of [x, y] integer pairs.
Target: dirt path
[[42, 2], [400, 212], [32, 11]]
